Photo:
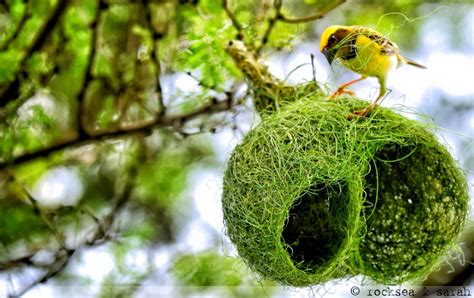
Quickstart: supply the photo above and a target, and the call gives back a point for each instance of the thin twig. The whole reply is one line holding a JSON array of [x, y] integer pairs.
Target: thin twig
[[101, 234], [19, 262], [61, 259], [277, 4], [199, 81], [154, 55], [313, 67], [94, 218], [88, 76], [271, 25], [279, 16], [46, 218], [227, 7], [314, 17]]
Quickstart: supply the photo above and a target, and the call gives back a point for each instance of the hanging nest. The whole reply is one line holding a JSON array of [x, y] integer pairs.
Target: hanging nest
[[311, 196]]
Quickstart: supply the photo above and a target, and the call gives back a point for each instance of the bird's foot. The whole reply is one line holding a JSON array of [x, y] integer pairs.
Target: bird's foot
[[360, 113], [340, 91]]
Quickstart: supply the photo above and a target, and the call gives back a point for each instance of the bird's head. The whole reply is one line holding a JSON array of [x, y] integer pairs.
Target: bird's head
[[332, 41]]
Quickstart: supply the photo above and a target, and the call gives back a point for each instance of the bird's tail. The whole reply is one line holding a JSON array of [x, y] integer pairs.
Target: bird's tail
[[411, 62]]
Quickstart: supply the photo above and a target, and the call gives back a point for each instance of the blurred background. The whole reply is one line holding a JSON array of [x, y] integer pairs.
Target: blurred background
[[117, 118]]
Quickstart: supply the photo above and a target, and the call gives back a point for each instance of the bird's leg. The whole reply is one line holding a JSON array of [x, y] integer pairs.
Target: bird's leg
[[342, 90], [365, 111]]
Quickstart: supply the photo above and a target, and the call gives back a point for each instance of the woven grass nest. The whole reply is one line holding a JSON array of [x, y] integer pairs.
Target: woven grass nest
[[311, 196]]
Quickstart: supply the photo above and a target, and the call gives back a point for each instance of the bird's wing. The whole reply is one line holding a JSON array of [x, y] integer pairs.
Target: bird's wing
[[388, 47]]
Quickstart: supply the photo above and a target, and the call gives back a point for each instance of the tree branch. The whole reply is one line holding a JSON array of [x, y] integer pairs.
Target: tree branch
[[47, 220], [271, 24], [146, 127], [154, 54], [227, 7], [314, 17], [6, 93], [63, 255], [94, 27], [19, 262], [279, 16]]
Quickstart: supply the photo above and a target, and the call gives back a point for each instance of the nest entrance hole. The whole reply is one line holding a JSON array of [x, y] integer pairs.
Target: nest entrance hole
[[314, 228]]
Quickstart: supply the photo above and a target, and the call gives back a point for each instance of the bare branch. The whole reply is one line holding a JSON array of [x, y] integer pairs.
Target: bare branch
[[314, 71], [61, 259], [46, 218], [82, 131], [314, 17], [63, 255], [279, 16], [227, 7], [18, 262], [154, 54], [199, 81], [271, 25]]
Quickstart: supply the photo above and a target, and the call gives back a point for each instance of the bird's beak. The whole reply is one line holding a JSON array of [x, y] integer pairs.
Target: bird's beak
[[329, 54]]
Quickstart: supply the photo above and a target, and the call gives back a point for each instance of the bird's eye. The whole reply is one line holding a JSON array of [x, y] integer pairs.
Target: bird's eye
[[332, 39]]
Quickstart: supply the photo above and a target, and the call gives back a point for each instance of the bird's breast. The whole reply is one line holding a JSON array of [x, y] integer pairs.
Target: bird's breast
[[367, 58]]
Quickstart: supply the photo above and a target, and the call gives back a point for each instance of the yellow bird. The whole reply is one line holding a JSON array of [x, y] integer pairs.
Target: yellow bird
[[364, 51]]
